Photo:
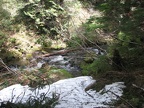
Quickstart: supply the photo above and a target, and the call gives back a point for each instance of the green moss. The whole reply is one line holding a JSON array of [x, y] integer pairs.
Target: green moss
[[61, 72]]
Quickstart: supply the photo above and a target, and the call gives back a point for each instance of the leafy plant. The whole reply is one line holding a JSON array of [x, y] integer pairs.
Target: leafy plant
[[5, 21], [3, 39], [13, 40], [44, 41], [45, 17]]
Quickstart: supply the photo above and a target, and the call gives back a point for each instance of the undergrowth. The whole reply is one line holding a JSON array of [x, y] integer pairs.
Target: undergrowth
[[98, 66], [45, 17]]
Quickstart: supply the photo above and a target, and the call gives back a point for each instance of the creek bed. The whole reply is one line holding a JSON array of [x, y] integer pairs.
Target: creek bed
[[71, 61]]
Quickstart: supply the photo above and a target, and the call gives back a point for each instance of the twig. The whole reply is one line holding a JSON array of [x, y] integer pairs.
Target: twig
[[90, 86], [134, 85], [2, 83], [122, 99], [4, 74], [6, 67], [84, 37]]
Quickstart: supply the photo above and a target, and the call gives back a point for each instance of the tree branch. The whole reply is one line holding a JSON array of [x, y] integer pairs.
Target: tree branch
[[6, 67], [134, 85], [122, 99]]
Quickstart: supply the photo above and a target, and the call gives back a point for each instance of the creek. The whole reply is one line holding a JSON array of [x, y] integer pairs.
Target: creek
[[71, 61]]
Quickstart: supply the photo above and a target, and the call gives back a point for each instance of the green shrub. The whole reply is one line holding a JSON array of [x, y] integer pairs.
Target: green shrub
[[99, 66], [5, 18], [13, 40], [75, 42], [3, 39], [44, 41], [4, 14], [45, 18]]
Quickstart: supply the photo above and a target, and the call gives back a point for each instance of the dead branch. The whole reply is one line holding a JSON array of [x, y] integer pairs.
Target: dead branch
[[7, 68], [85, 38], [134, 85], [90, 86], [4, 74], [122, 99]]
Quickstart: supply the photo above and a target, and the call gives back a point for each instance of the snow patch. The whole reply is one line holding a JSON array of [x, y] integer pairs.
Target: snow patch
[[71, 92]]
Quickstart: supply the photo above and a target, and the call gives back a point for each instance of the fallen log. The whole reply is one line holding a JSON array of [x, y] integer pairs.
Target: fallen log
[[58, 53]]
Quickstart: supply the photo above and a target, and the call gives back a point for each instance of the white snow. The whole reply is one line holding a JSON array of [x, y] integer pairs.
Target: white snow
[[71, 93]]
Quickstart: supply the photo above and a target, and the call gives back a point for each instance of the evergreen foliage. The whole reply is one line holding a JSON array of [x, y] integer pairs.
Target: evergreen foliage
[[99, 66], [123, 20]]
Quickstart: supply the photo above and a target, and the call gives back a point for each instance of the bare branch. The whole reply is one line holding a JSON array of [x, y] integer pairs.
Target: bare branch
[[7, 68], [134, 85], [122, 99]]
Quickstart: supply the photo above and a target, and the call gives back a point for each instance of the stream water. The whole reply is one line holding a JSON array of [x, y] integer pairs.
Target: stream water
[[70, 61]]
